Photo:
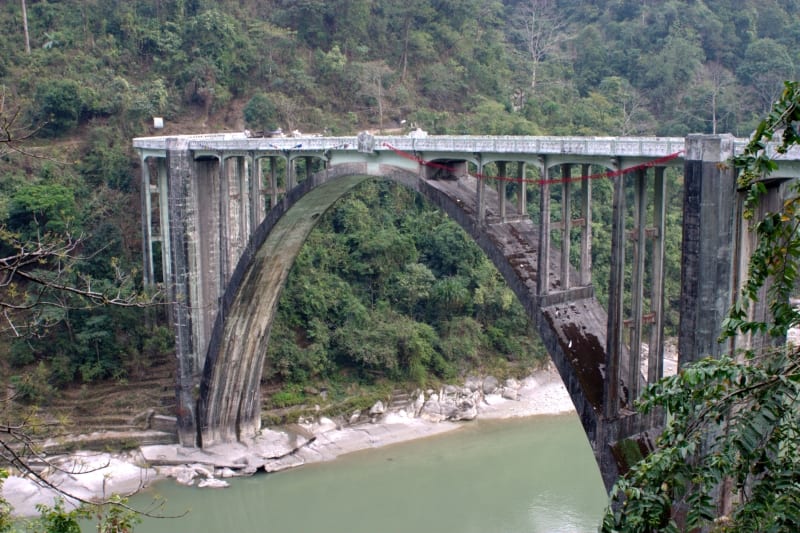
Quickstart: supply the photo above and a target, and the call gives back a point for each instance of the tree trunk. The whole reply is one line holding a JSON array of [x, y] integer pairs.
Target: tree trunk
[[25, 28]]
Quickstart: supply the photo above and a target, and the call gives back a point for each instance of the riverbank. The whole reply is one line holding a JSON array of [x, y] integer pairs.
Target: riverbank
[[95, 476]]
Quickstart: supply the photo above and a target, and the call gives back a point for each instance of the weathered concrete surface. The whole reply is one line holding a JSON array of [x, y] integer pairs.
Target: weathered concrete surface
[[710, 236], [229, 407]]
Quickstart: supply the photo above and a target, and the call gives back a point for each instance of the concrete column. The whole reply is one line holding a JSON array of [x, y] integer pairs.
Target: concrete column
[[747, 241], [256, 204], [164, 228], [522, 195], [207, 249], [147, 226], [615, 302], [586, 228], [291, 175], [273, 181], [501, 188], [179, 178], [566, 218], [481, 193], [709, 205], [637, 283], [309, 164], [655, 365], [543, 283], [224, 222], [243, 176]]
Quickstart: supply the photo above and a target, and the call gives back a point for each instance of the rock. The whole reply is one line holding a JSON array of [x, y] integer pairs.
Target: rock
[[90, 475], [377, 409], [492, 399], [354, 417], [490, 384], [512, 383], [432, 410], [400, 417], [186, 477], [432, 417], [449, 409], [473, 383], [419, 402], [467, 410], [24, 495], [451, 389], [202, 470], [213, 483], [226, 473], [510, 393], [324, 425]]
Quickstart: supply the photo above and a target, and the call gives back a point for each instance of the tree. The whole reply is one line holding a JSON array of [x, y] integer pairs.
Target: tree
[[12, 133], [40, 271], [727, 457], [542, 29], [259, 113], [373, 78], [765, 65], [60, 105], [25, 28]]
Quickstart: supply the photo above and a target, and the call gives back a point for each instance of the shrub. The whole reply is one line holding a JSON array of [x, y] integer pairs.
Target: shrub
[[60, 106], [260, 113]]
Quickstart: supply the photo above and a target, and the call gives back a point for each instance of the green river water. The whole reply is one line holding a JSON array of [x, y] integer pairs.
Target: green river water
[[526, 475]]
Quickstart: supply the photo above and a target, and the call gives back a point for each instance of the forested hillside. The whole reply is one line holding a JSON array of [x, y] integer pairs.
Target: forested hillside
[[387, 287]]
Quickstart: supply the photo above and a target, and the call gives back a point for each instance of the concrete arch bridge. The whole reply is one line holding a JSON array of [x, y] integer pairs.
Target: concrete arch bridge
[[224, 217]]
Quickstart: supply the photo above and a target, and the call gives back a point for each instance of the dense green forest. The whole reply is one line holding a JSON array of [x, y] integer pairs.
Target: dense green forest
[[386, 286]]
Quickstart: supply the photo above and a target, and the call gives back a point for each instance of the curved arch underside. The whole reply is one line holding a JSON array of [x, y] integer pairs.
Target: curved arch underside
[[573, 331]]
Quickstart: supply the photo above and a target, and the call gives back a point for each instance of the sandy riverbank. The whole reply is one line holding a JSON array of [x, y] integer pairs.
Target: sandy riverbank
[[94, 476]]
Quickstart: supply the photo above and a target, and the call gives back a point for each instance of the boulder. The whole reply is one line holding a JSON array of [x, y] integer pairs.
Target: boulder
[[510, 393], [451, 389], [490, 384], [433, 410], [202, 471], [473, 383], [377, 409], [466, 410], [186, 476], [226, 473], [213, 483], [419, 403]]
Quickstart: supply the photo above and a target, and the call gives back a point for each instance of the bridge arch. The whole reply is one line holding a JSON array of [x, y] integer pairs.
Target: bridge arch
[[202, 217], [571, 325]]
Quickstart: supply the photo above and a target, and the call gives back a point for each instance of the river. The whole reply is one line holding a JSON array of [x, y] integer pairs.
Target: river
[[531, 475]]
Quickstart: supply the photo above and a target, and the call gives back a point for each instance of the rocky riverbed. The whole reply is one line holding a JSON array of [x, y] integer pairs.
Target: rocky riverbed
[[92, 476]]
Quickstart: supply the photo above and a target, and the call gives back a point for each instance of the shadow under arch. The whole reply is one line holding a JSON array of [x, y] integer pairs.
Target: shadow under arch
[[571, 324]]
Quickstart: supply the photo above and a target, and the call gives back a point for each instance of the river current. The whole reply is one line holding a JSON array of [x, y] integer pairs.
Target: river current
[[530, 475]]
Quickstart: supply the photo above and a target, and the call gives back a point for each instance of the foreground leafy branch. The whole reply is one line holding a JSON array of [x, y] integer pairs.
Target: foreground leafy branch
[[727, 459], [43, 274]]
